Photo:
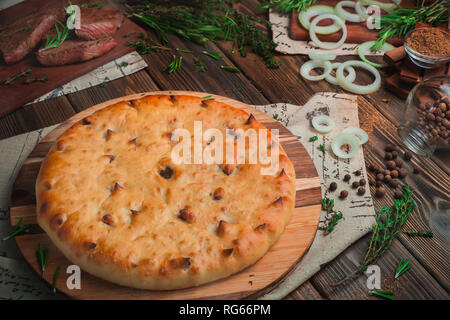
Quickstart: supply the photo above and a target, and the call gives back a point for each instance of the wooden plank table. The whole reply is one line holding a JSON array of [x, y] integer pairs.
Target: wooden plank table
[[430, 276]]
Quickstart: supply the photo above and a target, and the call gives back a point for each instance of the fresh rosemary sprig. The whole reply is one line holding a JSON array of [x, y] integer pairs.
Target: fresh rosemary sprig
[[322, 148], [184, 50], [286, 6], [61, 36], [174, 65], [314, 138], [420, 233], [105, 81], [209, 97], [389, 222], [331, 222], [18, 229], [230, 69], [403, 266], [387, 294], [200, 65], [55, 278], [10, 81], [213, 55], [200, 25], [399, 22], [42, 257], [146, 46]]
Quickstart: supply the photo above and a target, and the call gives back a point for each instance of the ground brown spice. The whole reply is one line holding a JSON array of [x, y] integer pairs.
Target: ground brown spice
[[430, 42]]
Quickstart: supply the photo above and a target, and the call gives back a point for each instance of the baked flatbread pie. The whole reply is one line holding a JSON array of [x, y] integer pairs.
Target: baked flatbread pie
[[111, 198]]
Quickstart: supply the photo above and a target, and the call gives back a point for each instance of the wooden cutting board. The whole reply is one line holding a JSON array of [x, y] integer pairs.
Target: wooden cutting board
[[253, 281], [356, 32], [18, 94]]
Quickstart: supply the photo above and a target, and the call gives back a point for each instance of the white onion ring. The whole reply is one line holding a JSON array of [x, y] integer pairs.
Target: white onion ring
[[320, 44], [312, 64], [356, 88], [345, 139], [305, 16], [358, 133], [322, 123], [351, 76], [364, 47], [352, 17], [382, 5], [322, 56], [361, 10]]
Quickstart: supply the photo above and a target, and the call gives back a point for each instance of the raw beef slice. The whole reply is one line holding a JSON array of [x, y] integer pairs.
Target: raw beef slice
[[97, 23]]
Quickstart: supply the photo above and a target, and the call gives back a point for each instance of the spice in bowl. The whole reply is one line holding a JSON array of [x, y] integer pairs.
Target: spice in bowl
[[430, 42]]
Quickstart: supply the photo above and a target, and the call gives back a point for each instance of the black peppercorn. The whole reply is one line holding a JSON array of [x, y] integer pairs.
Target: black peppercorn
[[361, 191], [380, 192], [343, 194], [362, 182], [347, 177], [333, 186], [355, 184], [357, 172]]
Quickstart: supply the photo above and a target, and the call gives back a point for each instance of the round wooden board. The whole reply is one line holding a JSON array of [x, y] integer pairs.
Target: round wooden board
[[251, 282]]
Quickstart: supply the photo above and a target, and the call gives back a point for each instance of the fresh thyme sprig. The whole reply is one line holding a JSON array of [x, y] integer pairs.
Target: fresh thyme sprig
[[286, 6], [184, 50], [419, 233], [403, 266], [18, 229], [387, 294], [331, 222], [314, 138], [322, 148], [42, 257], [61, 36], [200, 65], [10, 81], [213, 55], [31, 80], [389, 222], [174, 65], [399, 22], [200, 25]]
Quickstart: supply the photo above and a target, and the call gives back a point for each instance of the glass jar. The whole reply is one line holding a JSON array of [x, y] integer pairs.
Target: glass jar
[[426, 125]]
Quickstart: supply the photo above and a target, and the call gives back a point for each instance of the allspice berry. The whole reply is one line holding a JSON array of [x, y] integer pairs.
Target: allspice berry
[[394, 174], [380, 177], [362, 182], [355, 184], [387, 172], [380, 192], [333, 186], [343, 194], [391, 165], [361, 191], [373, 167], [357, 172], [398, 162], [388, 156], [347, 177], [387, 178], [394, 154], [402, 173], [394, 183], [378, 184]]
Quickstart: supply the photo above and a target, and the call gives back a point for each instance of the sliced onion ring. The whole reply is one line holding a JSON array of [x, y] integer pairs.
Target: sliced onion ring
[[305, 16], [312, 64], [382, 5], [345, 139], [356, 88], [351, 76], [342, 13], [364, 47], [322, 56], [358, 133], [323, 45], [361, 10], [322, 123]]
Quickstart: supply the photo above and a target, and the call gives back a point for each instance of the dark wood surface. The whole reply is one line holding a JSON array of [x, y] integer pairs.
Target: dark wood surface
[[13, 95], [430, 276]]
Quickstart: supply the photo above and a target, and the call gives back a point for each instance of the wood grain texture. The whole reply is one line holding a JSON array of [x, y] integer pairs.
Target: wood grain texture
[[13, 96], [281, 258], [356, 32]]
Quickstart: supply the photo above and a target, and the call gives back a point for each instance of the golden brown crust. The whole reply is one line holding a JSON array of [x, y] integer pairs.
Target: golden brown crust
[[111, 198]]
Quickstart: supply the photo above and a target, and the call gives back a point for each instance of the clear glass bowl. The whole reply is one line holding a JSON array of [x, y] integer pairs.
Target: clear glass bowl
[[424, 61], [426, 125]]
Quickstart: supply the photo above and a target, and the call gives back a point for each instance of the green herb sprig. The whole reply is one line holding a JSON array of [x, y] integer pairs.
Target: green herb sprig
[[331, 222], [200, 65], [387, 294], [10, 80], [104, 82], [314, 138], [18, 229], [55, 278], [174, 65], [61, 36], [42, 255], [230, 69], [31, 80], [399, 22], [213, 55], [420, 233], [322, 148], [286, 6], [389, 222], [403, 266], [184, 50]]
